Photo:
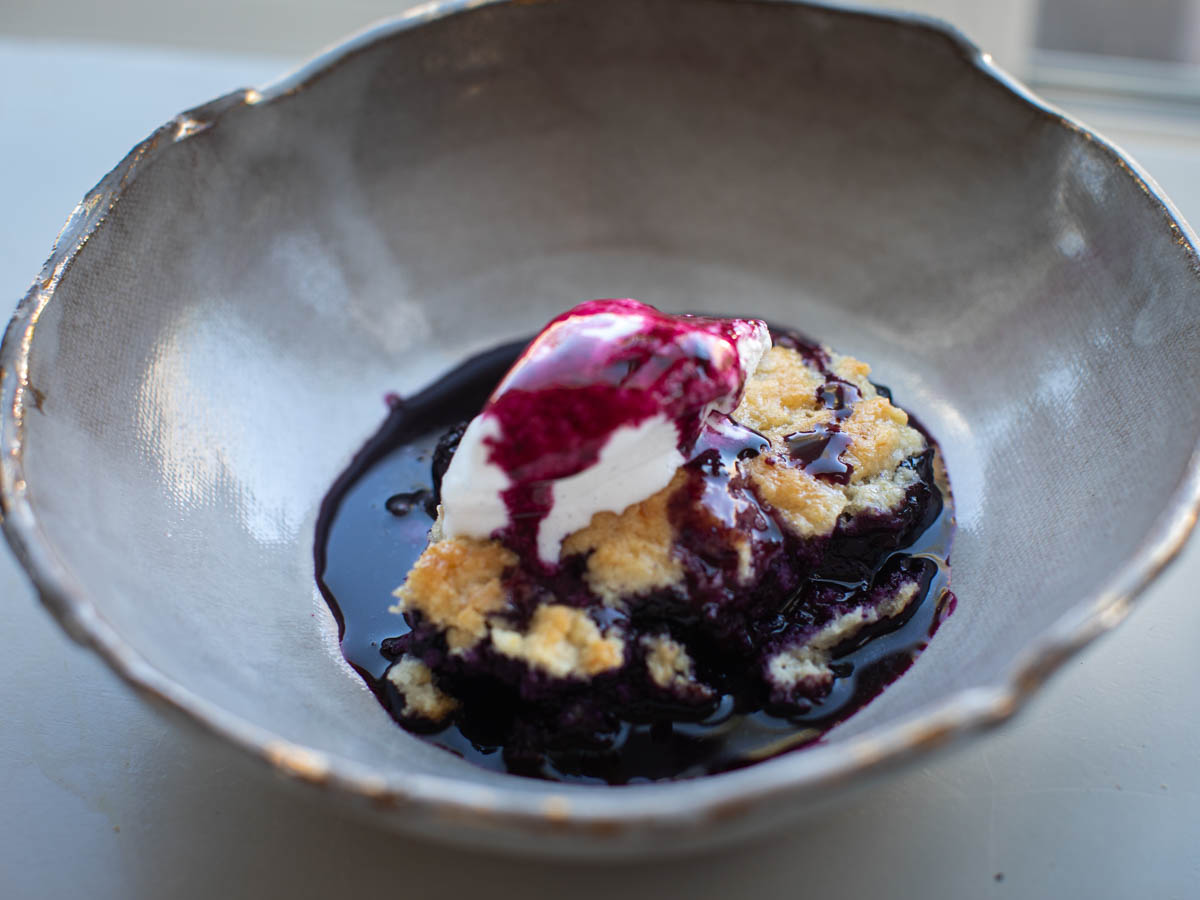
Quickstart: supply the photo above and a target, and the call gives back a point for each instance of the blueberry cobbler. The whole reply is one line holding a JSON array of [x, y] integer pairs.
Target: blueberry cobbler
[[641, 546]]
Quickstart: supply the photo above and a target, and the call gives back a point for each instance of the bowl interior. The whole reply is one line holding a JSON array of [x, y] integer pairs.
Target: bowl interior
[[220, 347]]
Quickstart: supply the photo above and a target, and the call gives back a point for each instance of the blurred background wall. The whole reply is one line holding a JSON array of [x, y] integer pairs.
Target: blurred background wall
[[1011, 30], [1116, 49], [298, 28]]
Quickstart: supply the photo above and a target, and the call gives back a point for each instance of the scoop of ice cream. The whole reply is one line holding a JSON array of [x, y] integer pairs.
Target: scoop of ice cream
[[597, 414]]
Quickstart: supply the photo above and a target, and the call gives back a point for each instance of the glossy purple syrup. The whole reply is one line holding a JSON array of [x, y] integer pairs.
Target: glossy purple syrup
[[819, 452], [375, 520]]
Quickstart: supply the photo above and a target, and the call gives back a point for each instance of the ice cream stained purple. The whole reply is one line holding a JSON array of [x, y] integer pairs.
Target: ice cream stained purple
[[598, 412], [792, 564]]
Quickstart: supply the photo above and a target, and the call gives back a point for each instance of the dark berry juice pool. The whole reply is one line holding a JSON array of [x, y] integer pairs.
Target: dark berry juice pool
[[375, 521]]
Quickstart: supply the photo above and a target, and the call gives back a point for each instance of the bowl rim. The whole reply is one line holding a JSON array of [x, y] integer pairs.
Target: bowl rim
[[597, 812]]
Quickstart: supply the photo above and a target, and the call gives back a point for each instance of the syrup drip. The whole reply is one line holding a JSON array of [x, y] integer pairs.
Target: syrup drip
[[819, 452]]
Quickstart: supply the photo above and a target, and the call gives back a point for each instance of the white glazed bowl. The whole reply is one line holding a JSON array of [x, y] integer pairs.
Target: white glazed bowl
[[209, 343]]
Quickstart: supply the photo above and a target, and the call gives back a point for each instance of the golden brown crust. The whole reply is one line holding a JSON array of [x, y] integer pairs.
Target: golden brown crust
[[781, 396], [881, 438], [456, 584], [854, 371], [808, 505]]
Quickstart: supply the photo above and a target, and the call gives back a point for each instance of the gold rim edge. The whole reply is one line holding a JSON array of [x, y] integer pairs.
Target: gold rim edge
[[964, 713]]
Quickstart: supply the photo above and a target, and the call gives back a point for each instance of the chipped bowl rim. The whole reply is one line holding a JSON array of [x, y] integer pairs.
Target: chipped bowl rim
[[670, 807]]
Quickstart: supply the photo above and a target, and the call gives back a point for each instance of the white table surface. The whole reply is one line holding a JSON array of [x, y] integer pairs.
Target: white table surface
[[1094, 791]]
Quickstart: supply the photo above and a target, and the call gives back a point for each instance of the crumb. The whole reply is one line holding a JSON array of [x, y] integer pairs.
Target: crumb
[[855, 371], [881, 438], [563, 642], [808, 662], [437, 531], [669, 664], [781, 396], [630, 553], [416, 684], [808, 505], [881, 493], [456, 584]]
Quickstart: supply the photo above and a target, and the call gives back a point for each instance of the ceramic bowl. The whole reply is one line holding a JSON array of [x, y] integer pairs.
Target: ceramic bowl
[[221, 317]]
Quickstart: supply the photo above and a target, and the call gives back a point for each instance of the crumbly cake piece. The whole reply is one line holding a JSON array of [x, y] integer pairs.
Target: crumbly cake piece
[[660, 597], [563, 642], [458, 584], [670, 666], [806, 662], [415, 682]]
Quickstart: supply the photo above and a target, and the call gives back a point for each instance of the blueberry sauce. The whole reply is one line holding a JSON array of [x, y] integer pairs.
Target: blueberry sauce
[[374, 524], [839, 396], [819, 452]]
